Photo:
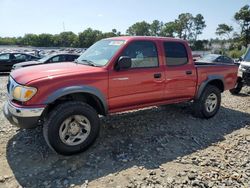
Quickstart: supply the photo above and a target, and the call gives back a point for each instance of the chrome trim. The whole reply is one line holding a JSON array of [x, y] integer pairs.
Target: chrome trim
[[24, 112], [120, 79]]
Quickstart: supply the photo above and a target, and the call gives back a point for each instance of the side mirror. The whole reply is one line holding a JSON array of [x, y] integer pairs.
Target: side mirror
[[124, 62]]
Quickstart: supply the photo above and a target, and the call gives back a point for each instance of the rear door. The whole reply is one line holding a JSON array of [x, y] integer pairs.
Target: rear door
[[143, 82], [180, 71]]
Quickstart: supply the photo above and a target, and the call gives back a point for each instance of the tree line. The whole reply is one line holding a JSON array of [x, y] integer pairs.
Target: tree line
[[185, 26], [64, 39]]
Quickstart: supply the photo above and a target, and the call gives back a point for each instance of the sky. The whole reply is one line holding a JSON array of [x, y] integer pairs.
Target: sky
[[19, 17]]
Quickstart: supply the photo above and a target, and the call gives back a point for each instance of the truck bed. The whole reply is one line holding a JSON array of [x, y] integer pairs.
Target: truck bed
[[227, 71], [212, 63]]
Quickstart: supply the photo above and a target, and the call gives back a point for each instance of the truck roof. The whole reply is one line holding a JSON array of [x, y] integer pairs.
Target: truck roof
[[129, 38]]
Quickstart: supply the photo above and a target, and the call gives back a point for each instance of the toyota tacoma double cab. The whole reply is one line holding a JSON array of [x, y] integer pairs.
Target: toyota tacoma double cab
[[113, 75]]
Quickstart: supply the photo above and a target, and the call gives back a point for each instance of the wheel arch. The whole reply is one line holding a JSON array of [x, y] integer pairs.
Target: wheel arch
[[88, 94], [215, 80]]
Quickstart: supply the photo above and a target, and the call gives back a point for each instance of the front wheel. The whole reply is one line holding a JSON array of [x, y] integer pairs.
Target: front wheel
[[208, 104], [71, 128]]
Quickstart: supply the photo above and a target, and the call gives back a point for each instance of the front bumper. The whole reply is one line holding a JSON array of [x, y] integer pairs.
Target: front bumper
[[22, 117]]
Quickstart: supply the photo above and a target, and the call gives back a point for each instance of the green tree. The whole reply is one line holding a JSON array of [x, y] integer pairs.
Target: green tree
[[88, 37], [200, 45], [67, 39], [185, 25], [139, 29], [155, 28], [117, 33], [199, 25], [45, 40], [224, 30], [8, 41], [169, 29], [243, 18], [30, 40]]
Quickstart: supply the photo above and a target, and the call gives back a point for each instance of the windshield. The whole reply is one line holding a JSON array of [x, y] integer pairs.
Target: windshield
[[101, 52], [209, 58], [44, 59], [247, 55]]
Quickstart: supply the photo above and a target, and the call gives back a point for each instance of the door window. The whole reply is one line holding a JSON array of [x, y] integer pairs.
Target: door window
[[175, 53], [4, 57], [71, 57], [227, 60], [19, 57], [55, 59], [142, 53]]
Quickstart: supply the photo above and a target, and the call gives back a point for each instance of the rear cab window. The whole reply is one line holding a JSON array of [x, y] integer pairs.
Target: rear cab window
[[175, 53]]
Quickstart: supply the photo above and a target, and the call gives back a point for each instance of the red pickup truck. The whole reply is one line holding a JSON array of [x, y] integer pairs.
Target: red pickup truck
[[113, 75]]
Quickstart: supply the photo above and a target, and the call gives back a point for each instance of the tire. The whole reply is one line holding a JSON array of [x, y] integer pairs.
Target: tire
[[205, 109], [236, 90], [68, 121]]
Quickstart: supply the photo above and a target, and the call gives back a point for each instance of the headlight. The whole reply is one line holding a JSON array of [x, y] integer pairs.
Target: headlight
[[23, 93]]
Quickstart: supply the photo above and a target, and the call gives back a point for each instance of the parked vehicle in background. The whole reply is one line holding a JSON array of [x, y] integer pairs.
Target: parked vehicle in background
[[54, 58], [216, 58], [243, 73], [7, 60], [196, 57], [113, 75]]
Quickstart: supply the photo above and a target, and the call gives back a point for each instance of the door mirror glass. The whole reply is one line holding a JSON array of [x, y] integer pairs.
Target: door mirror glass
[[123, 63]]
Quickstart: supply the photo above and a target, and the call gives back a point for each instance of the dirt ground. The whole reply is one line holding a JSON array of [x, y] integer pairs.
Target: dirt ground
[[153, 147]]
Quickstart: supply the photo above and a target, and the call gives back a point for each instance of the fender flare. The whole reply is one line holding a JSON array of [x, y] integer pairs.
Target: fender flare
[[206, 82], [77, 89]]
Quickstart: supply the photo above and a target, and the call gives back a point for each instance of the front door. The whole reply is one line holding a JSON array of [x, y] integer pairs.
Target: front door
[[142, 83]]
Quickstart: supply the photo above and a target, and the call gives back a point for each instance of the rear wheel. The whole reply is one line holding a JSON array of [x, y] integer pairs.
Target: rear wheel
[[71, 128], [208, 104]]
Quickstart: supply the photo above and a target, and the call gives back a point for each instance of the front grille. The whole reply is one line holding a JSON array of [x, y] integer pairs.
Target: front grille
[[246, 77], [246, 68]]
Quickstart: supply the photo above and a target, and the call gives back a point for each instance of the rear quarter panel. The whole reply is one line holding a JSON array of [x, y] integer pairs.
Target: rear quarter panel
[[227, 72]]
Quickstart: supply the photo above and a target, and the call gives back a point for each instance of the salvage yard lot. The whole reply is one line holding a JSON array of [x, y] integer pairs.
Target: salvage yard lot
[[153, 147]]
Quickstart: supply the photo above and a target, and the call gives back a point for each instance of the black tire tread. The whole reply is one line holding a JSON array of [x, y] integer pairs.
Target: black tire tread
[[61, 108], [198, 106], [237, 89]]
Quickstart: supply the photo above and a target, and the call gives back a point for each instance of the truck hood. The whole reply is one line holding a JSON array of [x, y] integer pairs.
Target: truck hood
[[31, 73], [25, 64]]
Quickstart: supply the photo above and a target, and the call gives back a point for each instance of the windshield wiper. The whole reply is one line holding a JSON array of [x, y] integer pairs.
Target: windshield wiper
[[88, 62]]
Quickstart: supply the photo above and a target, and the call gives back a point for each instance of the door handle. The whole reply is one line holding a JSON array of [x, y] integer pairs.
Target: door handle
[[157, 75], [189, 72]]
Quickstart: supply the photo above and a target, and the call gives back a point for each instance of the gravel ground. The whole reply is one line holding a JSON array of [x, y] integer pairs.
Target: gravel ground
[[153, 147]]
